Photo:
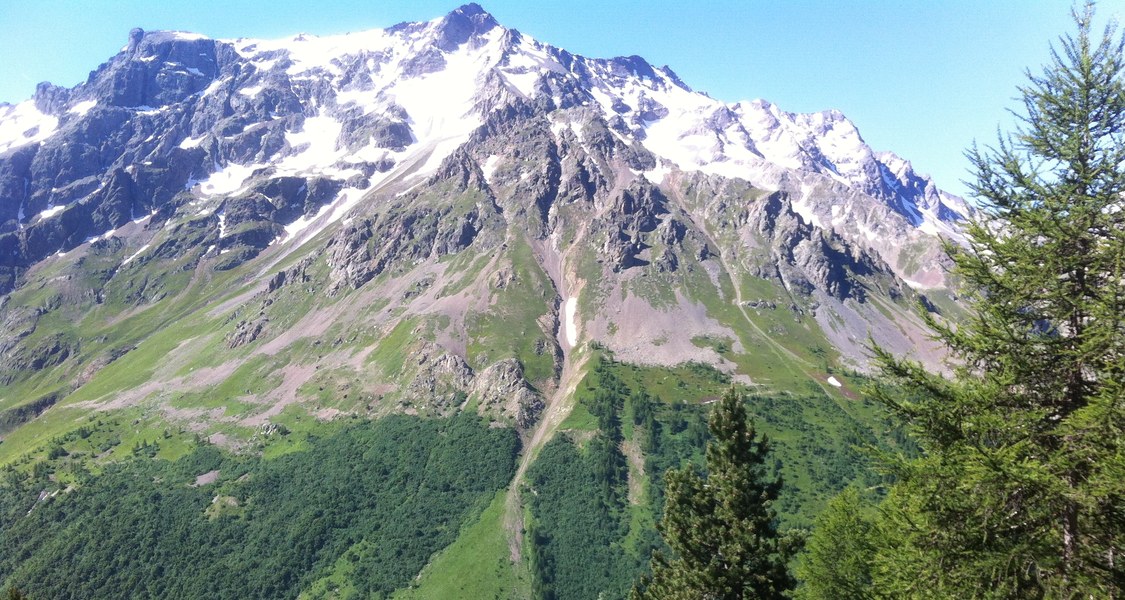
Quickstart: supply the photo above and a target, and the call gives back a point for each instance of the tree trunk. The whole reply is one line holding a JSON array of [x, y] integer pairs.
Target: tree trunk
[[1070, 541]]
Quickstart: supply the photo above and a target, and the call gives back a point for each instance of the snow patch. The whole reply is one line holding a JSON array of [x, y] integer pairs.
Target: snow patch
[[657, 175], [23, 124], [142, 218], [368, 100], [295, 228], [134, 255], [557, 127], [308, 52], [214, 87], [804, 209], [192, 142], [104, 236], [309, 226], [185, 36], [524, 83], [560, 125], [83, 107], [51, 211], [489, 167], [227, 181], [316, 145], [441, 107], [570, 307], [441, 104]]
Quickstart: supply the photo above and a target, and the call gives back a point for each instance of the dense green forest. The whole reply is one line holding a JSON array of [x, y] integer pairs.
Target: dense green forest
[[593, 526], [386, 494], [580, 506]]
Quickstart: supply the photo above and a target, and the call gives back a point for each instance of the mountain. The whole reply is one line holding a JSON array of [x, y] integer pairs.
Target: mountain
[[230, 238]]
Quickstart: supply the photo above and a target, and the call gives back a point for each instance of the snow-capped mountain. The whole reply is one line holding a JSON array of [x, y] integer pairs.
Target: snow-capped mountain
[[359, 109], [482, 202], [231, 242]]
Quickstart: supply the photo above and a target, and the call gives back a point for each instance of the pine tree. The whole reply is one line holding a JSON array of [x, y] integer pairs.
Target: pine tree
[[1020, 491], [721, 527]]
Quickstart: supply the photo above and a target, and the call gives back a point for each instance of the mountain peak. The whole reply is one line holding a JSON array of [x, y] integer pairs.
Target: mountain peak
[[633, 65], [471, 9], [463, 23], [356, 107], [139, 36], [437, 217]]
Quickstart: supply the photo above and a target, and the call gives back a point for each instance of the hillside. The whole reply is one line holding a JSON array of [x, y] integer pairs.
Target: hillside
[[234, 254]]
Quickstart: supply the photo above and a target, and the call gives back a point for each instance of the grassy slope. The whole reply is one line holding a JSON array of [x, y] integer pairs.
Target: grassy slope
[[477, 565], [513, 326]]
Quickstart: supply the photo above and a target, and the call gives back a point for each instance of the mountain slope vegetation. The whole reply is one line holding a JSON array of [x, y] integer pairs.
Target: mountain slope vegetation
[[488, 286]]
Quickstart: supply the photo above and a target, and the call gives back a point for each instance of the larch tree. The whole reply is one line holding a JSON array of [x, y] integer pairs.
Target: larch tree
[[836, 563], [721, 527], [1020, 489]]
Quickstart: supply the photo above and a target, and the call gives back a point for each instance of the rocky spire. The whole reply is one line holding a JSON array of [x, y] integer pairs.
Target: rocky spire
[[135, 36]]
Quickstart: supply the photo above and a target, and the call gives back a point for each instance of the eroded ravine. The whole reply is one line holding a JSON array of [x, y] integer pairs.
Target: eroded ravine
[[561, 401]]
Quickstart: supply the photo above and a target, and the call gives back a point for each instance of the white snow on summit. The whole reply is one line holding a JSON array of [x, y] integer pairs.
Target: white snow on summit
[[23, 124], [441, 103], [443, 93], [426, 87]]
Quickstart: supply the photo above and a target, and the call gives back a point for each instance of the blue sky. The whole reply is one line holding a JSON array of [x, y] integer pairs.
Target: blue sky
[[922, 79]]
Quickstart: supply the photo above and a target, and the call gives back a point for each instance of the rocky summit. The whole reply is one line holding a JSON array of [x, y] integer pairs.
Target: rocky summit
[[224, 237]]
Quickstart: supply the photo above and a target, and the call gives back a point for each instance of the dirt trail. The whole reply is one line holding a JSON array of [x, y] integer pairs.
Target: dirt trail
[[781, 351], [632, 451], [558, 408]]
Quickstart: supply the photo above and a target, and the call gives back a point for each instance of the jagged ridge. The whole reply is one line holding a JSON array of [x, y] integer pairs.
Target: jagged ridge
[[467, 177]]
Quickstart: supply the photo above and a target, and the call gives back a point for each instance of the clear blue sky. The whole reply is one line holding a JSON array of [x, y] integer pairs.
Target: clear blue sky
[[922, 79]]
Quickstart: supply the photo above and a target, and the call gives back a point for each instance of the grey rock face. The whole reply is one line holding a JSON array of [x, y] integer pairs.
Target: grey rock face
[[119, 153], [462, 24], [379, 164], [160, 68], [502, 389], [439, 381], [50, 351], [246, 332]]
